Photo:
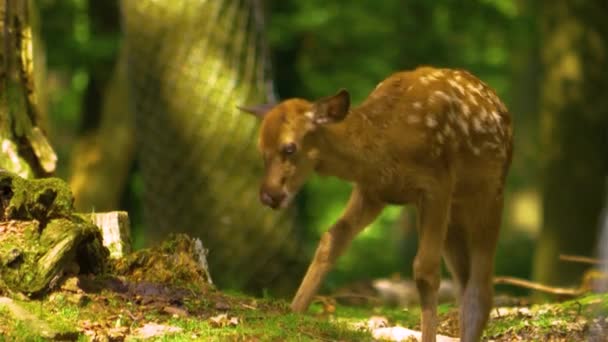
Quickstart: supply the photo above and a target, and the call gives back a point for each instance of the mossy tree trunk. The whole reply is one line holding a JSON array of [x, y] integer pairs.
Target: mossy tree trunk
[[574, 124], [25, 149]]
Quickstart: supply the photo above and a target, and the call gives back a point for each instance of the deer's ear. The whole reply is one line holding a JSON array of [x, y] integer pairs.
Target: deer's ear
[[258, 110], [331, 109]]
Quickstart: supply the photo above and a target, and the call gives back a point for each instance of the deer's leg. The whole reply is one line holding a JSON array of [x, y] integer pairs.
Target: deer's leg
[[479, 291], [456, 255], [433, 213], [359, 212]]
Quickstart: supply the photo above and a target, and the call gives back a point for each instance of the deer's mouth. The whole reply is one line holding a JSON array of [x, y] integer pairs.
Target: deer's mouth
[[276, 201]]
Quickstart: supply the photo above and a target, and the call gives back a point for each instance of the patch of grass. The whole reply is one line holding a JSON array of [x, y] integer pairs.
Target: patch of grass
[[568, 319], [269, 322], [60, 315], [23, 331]]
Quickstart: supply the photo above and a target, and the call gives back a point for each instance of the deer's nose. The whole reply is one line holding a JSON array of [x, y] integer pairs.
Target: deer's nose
[[271, 200]]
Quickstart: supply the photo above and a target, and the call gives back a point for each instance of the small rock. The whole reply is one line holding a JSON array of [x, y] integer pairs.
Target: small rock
[[223, 320], [150, 330], [222, 306], [71, 284], [403, 334], [175, 311]]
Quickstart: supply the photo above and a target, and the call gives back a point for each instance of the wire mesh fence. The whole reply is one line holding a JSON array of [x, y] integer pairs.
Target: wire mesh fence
[[190, 63]]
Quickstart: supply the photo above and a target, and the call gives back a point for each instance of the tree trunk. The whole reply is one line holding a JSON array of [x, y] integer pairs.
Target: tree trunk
[[25, 149], [104, 152], [190, 63], [573, 124]]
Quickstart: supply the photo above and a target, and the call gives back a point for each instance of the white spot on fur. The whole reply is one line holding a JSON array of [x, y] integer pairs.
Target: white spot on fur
[[309, 115], [464, 126], [430, 121], [417, 105], [477, 125], [413, 119], [495, 116], [474, 89], [455, 84], [424, 80], [483, 113], [466, 110], [440, 138], [490, 145], [437, 73], [447, 131], [379, 84], [410, 87], [472, 99], [451, 116], [476, 151], [442, 95]]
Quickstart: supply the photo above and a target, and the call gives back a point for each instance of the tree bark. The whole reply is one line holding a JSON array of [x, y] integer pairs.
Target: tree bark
[[25, 148], [573, 124]]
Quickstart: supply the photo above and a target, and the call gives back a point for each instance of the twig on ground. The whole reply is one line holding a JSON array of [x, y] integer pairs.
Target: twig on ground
[[540, 287], [354, 295], [581, 259]]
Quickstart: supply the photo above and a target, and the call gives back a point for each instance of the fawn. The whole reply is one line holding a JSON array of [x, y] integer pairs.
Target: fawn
[[439, 139]]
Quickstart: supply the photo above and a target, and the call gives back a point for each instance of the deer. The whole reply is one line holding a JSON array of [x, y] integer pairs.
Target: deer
[[436, 138]]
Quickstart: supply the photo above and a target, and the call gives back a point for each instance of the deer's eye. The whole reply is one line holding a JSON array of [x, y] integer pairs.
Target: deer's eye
[[288, 149]]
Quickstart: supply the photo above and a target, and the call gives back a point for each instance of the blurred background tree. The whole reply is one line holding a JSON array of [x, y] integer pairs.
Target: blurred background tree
[[574, 134], [317, 47]]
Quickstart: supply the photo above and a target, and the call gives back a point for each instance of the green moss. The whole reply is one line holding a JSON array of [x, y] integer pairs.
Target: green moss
[[31, 260], [42, 239], [173, 262], [34, 199]]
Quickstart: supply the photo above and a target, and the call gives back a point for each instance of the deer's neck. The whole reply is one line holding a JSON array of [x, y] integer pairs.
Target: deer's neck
[[345, 150]]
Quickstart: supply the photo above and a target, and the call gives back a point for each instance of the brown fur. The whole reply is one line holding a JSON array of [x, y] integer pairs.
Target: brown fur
[[436, 138]]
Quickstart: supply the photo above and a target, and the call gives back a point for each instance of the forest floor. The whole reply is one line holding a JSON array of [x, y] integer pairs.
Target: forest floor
[[164, 294], [115, 309], [122, 311]]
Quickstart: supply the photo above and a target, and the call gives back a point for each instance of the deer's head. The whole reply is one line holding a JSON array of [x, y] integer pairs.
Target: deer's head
[[289, 145]]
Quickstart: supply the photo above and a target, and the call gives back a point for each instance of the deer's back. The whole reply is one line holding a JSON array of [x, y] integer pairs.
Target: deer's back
[[434, 119]]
